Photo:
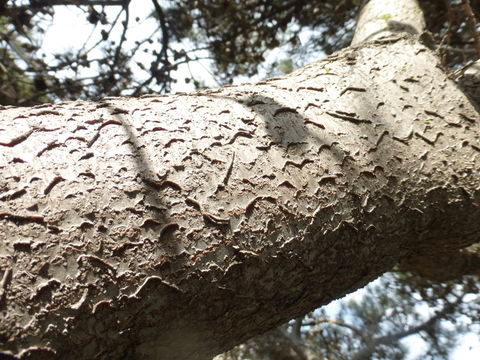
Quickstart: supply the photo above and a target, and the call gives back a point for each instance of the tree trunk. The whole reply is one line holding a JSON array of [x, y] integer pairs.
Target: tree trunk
[[174, 227]]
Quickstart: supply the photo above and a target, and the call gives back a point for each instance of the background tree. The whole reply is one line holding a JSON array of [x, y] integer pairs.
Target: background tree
[[234, 54], [187, 30], [393, 308]]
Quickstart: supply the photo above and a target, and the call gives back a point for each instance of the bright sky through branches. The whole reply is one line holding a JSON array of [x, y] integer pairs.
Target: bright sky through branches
[[70, 31]]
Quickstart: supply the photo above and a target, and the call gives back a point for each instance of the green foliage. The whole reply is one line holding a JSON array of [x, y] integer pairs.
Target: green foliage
[[17, 88]]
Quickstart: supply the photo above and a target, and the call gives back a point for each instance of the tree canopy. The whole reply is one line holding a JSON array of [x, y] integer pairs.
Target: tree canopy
[[236, 36]]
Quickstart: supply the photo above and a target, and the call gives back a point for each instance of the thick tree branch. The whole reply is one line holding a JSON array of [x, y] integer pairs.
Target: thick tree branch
[[445, 266], [380, 18], [122, 238]]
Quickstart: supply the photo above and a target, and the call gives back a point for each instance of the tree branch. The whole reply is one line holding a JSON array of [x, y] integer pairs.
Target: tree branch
[[43, 3], [165, 34], [354, 329], [472, 22], [445, 266], [366, 352], [379, 18]]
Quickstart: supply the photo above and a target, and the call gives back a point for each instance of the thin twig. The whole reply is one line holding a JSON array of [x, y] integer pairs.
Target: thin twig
[[112, 25], [448, 33], [472, 22], [123, 37], [78, 3], [163, 24]]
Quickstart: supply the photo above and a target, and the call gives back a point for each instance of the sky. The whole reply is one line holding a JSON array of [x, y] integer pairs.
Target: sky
[[70, 30], [467, 349]]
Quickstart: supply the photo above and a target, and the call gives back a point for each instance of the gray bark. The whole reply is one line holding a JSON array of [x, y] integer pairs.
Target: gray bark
[[382, 18], [174, 227]]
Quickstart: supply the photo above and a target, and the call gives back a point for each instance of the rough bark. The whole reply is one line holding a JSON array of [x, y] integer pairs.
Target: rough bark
[[380, 18], [174, 227]]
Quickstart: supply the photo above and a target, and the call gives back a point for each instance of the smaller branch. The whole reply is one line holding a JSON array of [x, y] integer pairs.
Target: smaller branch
[[163, 24], [472, 22], [108, 32], [457, 50], [123, 36], [458, 72], [354, 329], [78, 3], [445, 266], [297, 327], [446, 38], [79, 53]]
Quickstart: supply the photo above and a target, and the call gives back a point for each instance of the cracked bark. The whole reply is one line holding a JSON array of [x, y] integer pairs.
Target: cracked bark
[[174, 227]]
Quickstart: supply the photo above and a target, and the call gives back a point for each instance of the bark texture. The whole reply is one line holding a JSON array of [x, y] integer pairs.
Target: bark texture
[[174, 227], [379, 18]]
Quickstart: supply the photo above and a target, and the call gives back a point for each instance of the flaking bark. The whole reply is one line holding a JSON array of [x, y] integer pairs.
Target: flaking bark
[[174, 227]]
